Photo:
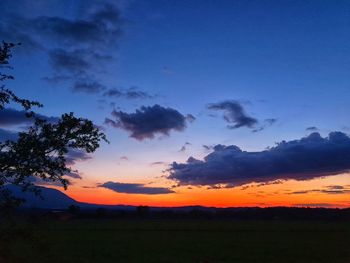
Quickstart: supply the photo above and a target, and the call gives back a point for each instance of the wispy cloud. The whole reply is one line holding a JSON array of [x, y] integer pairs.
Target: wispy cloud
[[132, 188], [234, 114], [79, 50]]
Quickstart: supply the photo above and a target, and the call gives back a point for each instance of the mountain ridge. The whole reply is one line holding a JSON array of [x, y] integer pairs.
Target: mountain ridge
[[52, 199]]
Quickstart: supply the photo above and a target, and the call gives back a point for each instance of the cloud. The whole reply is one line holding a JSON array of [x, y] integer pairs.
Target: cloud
[[70, 61], [41, 181], [74, 156], [12, 29], [330, 189], [159, 163], [336, 187], [208, 147], [47, 181], [128, 188], [78, 65], [270, 121], [74, 175], [77, 49], [148, 121], [190, 118], [114, 93], [234, 114], [312, 128], [8, 135], [184, 147], [11, 117], [99, 28], [310, 157], [265, 124], [131, 93], [77, 62], [236, 117], [88, 87]]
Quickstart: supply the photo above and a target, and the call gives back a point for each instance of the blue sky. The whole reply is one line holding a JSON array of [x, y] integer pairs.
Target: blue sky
[[282, 60]]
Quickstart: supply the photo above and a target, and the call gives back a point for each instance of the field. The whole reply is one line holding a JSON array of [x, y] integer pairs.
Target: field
[[179, 241]]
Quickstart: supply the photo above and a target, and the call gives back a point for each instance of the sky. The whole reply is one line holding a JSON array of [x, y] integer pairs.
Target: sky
[[215, 103]]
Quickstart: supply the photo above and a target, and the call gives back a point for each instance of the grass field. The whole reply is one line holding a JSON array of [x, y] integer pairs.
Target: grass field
[[179, 241]]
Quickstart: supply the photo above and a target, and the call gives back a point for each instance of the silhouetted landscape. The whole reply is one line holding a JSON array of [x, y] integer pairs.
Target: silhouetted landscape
[[194, 131], [74, 231], [56, 205]]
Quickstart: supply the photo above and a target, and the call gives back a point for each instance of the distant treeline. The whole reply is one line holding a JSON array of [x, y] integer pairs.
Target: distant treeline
[[256, 213]]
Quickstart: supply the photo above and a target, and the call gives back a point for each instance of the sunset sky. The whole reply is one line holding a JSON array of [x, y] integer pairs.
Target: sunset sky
[[204, 102]]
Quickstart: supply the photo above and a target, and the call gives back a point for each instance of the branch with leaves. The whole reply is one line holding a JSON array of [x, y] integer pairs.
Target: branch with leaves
[[41, 150]]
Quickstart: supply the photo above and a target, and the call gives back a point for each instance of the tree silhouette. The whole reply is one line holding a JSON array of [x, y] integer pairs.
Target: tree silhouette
[[41, 150]]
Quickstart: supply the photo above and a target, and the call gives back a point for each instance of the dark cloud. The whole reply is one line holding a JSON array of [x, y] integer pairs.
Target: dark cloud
[[8, 135], [74, 175], [131, 93], [330, 189], [270, 121], [78, 49], [301, 192], [70, 61], [74, 156], [101, 27], [89, 187], [135, 188], [95, 29], [67, 176], [137, 94], [12, 29], [184, 147], [10, 117], [312, 128], [88, 87], [269, 183], [76, 63], [124, 158], [207, 147], [336, 187], [148, 121], [307, 158], [266, 123], [234, 114], [47, 182], [158, 163], [190, 118], [116, 93]]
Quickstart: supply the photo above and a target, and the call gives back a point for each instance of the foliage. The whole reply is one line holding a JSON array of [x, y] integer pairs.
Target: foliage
[[6, 95], [41, 150]]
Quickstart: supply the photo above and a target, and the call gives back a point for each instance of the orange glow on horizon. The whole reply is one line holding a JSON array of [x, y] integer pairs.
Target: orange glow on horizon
[[254, 195]]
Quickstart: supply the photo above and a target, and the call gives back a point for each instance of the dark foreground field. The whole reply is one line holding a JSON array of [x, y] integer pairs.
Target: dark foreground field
[[179, 241]]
